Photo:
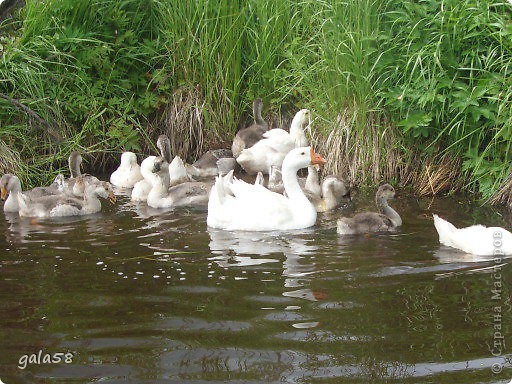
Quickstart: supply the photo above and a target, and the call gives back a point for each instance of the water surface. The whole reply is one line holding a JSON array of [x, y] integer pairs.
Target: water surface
[[144, 296]]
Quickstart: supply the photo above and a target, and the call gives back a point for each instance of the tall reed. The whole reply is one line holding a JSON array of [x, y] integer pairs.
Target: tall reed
[[389, 82]]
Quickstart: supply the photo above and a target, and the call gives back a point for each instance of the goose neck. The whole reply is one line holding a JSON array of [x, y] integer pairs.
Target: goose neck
[[165, 149], [382, 204], [291, 182], [160, 184], [74, 167], [15, 187], [258, 119], [297, 132]]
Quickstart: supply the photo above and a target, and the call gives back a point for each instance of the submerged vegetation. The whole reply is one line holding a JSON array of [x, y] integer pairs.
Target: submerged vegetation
[[411, 92]]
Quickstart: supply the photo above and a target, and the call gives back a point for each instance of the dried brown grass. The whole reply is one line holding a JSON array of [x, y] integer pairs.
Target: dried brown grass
[[192, 125], [436, 175], [374, 153], [504, 195], [10, 161]]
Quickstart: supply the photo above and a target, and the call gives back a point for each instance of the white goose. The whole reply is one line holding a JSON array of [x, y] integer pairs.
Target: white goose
[[128, 172], [10, 185], [241, 206], [274, 146], [476, 239], [141, 189]]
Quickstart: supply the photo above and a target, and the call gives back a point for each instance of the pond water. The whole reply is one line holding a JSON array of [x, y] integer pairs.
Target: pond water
[[144, 296]]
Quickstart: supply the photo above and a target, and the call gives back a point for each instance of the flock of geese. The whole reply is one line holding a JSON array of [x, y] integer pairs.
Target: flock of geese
[[277, 200]]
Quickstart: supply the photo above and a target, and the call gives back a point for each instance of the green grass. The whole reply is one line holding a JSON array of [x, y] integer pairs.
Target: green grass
[[389, 82]]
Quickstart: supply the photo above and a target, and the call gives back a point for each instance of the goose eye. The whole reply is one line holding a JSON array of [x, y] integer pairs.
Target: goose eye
[[303, 153]]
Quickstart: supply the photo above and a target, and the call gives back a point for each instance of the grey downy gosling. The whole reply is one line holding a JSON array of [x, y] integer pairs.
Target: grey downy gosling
[[331, 194], [369, 222], [62, 205]]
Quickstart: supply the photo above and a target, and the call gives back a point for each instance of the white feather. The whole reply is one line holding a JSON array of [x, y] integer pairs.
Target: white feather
[[476, 239]]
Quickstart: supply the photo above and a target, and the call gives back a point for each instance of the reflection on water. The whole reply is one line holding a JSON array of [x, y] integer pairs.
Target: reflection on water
[[145, 296]]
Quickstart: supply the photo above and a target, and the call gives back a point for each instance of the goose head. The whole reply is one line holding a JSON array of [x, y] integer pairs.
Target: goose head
[[75, 161], [164, 145], [146, 167], [13, 185], [301, 158], [384, 193], [160, 165], [299, 122], [102, 189], [128, 159], [4, 181], [301, 118]]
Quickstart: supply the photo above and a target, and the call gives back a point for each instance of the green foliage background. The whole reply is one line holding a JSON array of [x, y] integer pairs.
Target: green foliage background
[[103, 72]]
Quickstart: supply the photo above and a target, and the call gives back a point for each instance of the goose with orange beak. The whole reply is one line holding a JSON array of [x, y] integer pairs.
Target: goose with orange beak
[[236, 205], [63, 205], [10, 185]]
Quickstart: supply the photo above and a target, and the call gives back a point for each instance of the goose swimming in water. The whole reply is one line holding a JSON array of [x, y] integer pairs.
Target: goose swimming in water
[[75, 162], [10, 185], [61, 205], [476, 239], [237, 205], [128, 172], [142, 188], [367, 222]]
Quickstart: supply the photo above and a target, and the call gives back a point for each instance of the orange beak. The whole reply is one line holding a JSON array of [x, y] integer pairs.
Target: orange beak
[[112, 198], [3, 193], [316, 159]]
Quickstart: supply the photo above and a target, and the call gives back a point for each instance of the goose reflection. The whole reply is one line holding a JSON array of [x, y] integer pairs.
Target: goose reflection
[[22, 230], [241, 249], [448, 255]]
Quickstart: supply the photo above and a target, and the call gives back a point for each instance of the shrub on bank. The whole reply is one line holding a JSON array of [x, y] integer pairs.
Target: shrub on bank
[[419, 92]]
